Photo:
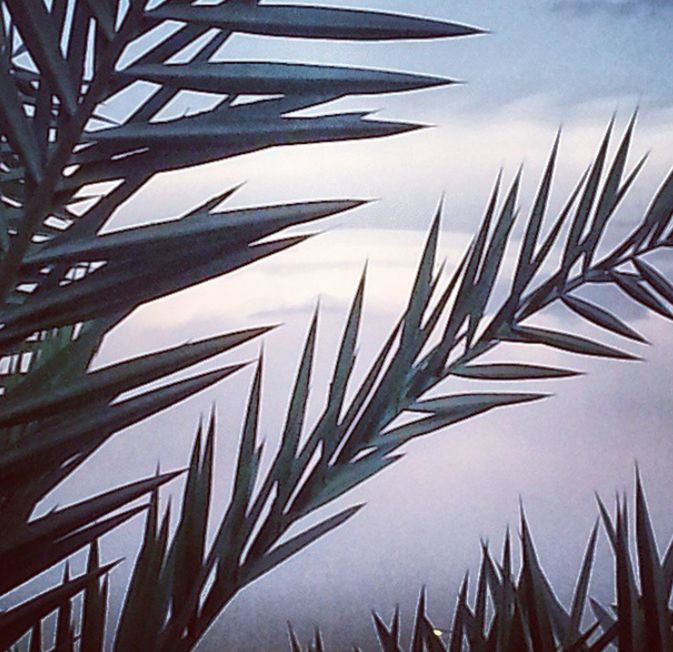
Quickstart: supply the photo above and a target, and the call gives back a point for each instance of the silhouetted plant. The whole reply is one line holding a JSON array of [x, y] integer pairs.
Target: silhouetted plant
[[64, 287], [520, 612], [67, 163]]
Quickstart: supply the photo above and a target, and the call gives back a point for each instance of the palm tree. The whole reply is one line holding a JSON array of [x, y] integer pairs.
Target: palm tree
[[64, 285]]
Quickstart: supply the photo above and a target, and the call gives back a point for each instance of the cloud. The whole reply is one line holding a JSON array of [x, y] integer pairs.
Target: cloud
[[618, 7]]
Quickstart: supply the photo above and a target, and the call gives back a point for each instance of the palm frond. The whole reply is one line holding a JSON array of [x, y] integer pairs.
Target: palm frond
[[64, 283], [355, 437]]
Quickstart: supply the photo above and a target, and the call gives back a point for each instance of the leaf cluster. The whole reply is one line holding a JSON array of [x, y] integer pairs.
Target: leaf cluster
[[69, 161], [445, 328], [64, 284], [519, 611]]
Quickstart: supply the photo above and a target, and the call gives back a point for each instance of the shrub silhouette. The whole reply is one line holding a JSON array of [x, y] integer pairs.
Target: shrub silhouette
[[519, 611]]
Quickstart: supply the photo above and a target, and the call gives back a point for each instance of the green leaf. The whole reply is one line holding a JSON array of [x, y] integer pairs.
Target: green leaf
[[448, 410], [296, 21], [391, 394], [655, 279], [109, 382], [283, 464], [262, 78], [480, 601], [534, 595], [284, 551], [535, 300], [524, 269], [238, 136], [231, 537], [31, 561], [565, 342], [610, 196], [464, 304], [658, 216], [296, 412], [600, 317], [510, 372], [57, 524], [188, 547], [246, 225], [142, 611], [341, 479], [121, 288], [642, 295], [16, 127], [343, 370], [573, 247], [419, 296], [61, 442], [582, 588], [42, 41], [493, 259], [17, 620], [242, 515], [655, 601]]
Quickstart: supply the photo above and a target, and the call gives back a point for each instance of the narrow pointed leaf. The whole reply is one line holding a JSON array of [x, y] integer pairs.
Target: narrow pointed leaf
[[654, 600], [524, 268], [447, 410], [31, 562], [261, 78], [313, 22], [582, 586], [655, 279], [610, 196], [16, 127], [15, 621], [386, 638], [641, 294], [109, 382], [107, 421], [510, 372], [572, 248], [245, 225], [69, 519], [41, 40], [565, 342], [658, 215], [600, 317], [290, 548]]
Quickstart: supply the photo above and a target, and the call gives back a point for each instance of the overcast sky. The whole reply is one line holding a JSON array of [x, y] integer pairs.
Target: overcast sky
[[544, 63]]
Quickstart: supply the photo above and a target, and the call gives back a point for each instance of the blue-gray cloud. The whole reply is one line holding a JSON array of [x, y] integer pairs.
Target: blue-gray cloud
[[623, 7]]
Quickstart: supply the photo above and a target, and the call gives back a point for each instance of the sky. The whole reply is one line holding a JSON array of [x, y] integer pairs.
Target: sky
[[543, 64]]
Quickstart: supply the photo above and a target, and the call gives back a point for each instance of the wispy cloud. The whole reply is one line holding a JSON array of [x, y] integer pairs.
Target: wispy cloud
[[624, 7]]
